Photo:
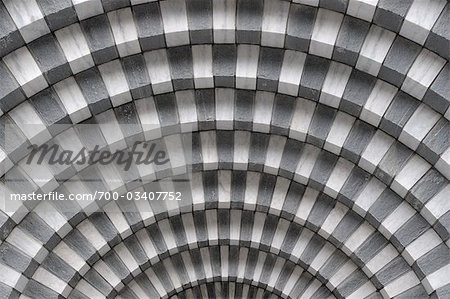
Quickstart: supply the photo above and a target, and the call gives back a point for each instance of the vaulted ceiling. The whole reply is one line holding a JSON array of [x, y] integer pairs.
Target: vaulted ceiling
[[319, 133]]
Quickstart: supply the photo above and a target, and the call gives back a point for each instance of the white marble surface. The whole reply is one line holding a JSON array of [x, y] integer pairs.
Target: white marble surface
[[72, 98], [75, 48], [115, 82], [368, 196], [396, 219], [413, 171], [274, 154], [437, 279], [333, 219], [124, 31], [422, 73], [111, 130], [187, 111], [304, 111], [241, 150], [159, 71], [224, 21], [262, 114], [87, 8], [374, 50], [28, 18], [326, 29], [274, 21], [27, 73], [29, 245], [334, 84], [29, 122], [339, 131], [338, 177], [175, 22], [362, 9], [399, 285], [202, 65], [418, 126], [422, 245], [149, 118], [420, 19], [291, 72], [224, 189], [378, 102], [437, 206], [279, 195], [306, 163], [51, 281], [375, 151], [305, 207]]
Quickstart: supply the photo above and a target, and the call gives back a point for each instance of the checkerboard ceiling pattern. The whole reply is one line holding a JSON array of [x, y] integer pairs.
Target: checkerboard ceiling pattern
[[320, 139]]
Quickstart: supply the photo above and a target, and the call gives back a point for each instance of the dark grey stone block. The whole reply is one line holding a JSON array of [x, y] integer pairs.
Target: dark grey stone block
[[109, 5], [206, 108], [95, 279], [314, 73], [54, 264], [58, 14], [401, 109], [289, 160], [394, 269], [157, 239], [238, 184], [345, 228], [50, 58], [339, 6], [387, 202], [243, 109], [322, 207], [390, 14], [320, 125], [246, 227], [432, 261], [269, 67], [333, 264], [180, 61], [350, 40], [12, 141], [292, 201], [357, 140], [410, 231], [353, 186], [199, 14], [436, 142], [14, 258], [314, 246], [10, 37], [352, 283], [224, 65], [223, 219], [392, 162], [300, 27], [428, 186], [257, 153], [442, 226], [10, 92], [265, 192], [369, 248], [225, 141], [51, 111], [137, 76], [357, 92], [168, 116], [301, 285], [210, 182], [178, 231], [322, 170], [78, 243], [438, 95], [399, 59], [417, 292], [36, 290], [439, 37], [94, 90], [149, 26], [99, 37], [105, 228], [249, 21], [282, 113]]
